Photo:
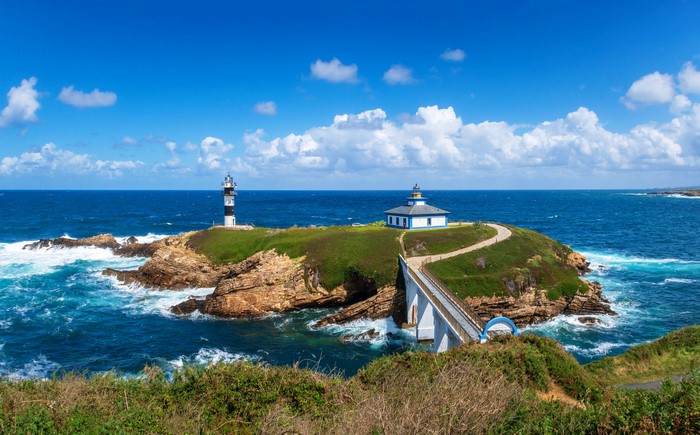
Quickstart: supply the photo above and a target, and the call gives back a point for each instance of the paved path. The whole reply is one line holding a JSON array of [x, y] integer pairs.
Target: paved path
[[502, 234], [455, 311]]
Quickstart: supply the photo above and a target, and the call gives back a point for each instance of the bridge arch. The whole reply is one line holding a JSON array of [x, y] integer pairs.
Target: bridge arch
[[498, 320]]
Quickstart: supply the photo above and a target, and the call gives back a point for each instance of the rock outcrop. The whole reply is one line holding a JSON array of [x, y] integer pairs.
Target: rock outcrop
[[579, 262], [533, 306], [99, 241], [388, 302], [172, 266]]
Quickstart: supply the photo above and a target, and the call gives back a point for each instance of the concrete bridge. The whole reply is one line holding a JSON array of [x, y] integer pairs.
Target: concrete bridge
[[438, 313]]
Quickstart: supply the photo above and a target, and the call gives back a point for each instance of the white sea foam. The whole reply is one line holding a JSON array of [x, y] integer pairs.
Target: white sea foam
[[386, 328], [210, 355], [39, 368], [148, 301], [17, 262], [148, 238], [596, 349], [678, 281]]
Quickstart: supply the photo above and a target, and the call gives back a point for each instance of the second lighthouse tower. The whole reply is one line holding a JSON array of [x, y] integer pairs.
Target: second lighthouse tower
[[229, 193]]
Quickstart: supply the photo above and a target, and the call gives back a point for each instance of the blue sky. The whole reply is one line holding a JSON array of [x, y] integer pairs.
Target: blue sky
[[337, 95]]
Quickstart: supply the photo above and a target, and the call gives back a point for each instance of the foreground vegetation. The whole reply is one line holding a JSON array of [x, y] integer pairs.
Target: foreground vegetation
[[526, 258], [678, 353], [524, 384]]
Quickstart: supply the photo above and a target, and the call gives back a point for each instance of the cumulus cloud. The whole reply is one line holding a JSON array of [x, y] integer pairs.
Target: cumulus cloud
[[81, 99], [437, 139], [213, 153], [266, 108], [22, 104], [654, 88], [456, 55], [689, 79], [399, 75], [334, 71], [680, 103], [50, 159], [173, 164]]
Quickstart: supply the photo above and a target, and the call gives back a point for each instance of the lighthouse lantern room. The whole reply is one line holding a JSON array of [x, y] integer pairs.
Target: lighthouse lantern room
[[229, 193]]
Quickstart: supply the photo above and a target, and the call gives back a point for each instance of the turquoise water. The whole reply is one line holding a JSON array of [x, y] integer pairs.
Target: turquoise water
[[57, 312]]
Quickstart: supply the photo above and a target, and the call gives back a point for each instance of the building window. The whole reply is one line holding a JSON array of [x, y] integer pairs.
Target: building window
[[430, 221], [404, 222], [391, 219]]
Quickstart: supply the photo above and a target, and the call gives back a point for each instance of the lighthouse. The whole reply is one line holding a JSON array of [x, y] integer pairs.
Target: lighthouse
[[229, 193], [416, 214]]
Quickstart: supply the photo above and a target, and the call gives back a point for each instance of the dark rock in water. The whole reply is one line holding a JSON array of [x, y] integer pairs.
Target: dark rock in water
[[99, 241], [131, 240], [388, 302], [136, 249], [586, 320], [187, 307], [363, 336]]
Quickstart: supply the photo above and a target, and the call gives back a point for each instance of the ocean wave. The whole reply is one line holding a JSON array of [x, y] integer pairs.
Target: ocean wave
[[18, 262], [572, 324], [600, 262], [386, 328], [209, 355], [149, 301], [39, 368], [599, 349]]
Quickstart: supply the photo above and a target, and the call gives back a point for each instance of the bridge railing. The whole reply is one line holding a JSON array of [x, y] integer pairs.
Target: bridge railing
[[456, 300], [454, 323]]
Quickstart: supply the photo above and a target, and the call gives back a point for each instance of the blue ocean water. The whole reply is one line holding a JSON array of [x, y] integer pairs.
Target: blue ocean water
[[57, 312]]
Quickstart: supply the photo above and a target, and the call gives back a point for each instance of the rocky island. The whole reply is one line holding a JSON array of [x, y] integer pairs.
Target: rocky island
[[689, 193], [264, 271]]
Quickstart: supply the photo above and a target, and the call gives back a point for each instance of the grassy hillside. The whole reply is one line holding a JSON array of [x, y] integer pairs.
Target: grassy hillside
[[678, 353], [504, 386], [337, 252], [427, 242], [524, 257]]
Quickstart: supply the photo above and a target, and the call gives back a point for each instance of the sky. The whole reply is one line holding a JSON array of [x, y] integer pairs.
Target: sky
[[531, 94]]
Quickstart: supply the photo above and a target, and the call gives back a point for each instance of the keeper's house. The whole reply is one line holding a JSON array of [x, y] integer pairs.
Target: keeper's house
[[416, 214]]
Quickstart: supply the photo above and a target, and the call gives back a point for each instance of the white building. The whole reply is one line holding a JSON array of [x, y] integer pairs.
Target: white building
[[416, 214], [229, 193]]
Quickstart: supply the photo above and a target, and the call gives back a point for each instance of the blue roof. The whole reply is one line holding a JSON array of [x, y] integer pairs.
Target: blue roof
[[417, 210]]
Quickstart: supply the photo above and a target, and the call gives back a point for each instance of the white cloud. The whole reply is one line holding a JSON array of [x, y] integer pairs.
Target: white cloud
[[173, 164], [334, 71], [436, 139], [456, 55], [689, 79], [22, 104], [50, 159], [81, 99], [399, 75], [654, 88], [212, 153], [266, 108], [680, 103]]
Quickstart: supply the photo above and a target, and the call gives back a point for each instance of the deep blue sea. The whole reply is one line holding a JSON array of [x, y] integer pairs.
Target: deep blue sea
[[58, 313]]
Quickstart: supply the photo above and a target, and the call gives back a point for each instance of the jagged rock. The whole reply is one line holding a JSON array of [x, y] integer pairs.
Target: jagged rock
[[269, 282], [173, 266], [533, 306], [99, 241], [187, 307], [587, 320], [387, 302], [579, 262], [363, 336], [136, 249]]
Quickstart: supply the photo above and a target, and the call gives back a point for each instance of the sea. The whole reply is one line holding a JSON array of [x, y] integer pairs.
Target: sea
[[59, 314]]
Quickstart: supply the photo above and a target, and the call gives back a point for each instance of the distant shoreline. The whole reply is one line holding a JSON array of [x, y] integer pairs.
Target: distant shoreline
[[692, 193]]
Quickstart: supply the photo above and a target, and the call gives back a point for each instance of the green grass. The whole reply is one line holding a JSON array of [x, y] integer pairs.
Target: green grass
[[475, 388], [337, 253], [678, 353], [524, 257], [443, 240]]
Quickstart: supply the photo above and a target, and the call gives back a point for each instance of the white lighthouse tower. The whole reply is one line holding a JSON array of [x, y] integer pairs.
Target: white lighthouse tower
[[229, 193]]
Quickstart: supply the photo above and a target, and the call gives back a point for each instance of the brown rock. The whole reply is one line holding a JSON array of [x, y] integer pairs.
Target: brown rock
[[533, 306], [387, 302], [579, 262], [173, 266], [187, 307], [587, 320], [268, 282], [100, 241]]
